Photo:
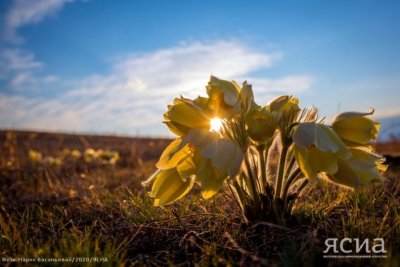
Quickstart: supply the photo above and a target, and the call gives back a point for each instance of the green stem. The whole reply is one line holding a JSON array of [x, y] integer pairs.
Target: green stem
[[301, 187], [293, 177], [263, 167], [289, 167], [289, 206], [281, 170], [292, 160], [237, 197], [253, 188]]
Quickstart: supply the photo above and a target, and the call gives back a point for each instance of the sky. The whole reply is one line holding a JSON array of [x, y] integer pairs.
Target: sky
[[112, 67]]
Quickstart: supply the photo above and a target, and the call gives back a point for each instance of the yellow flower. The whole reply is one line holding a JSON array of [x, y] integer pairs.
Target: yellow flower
[[317, 149], [246, 96], [215, 159], [210, 179], [356, 129], [178, 155], [201, 155], [107, 156], [35, 156], [261, 124], [224, 101], [89, 154], [284, 104], [76, 153], [52, 161], [225, 155], [361, 169], [223, 97], [169, 186], [184, 115]]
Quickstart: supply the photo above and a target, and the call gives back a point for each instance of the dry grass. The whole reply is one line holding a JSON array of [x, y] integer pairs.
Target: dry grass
[[91, 210]]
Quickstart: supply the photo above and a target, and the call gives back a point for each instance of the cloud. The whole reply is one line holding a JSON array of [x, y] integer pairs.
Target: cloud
[[19, 69], [24, 12], [20, 79], [265, 89], [17, 59], [134, 94]]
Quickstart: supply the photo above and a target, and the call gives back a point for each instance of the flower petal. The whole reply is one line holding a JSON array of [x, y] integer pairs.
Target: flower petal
[[169, 186], [186, 113], [312, 161], [246, 95], [362, 169], [367, 165], [200, 137], [354, 127], [352, 114], [261, 124], [223, 95], [176, 128], [211, 181], [284, 103], [186, 167], [225, 155], [321, 136], [345, 175], [173, 154]]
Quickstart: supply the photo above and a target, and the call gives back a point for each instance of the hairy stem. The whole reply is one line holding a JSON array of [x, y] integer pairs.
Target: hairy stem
[[292, 178], [302, 186], [289, 205], [237, 197], [262, 157], [253, 188], [289, 167], [281, 170]]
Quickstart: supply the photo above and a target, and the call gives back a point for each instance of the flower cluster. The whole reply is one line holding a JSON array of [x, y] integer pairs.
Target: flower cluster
[[104, 157], [226, 137]]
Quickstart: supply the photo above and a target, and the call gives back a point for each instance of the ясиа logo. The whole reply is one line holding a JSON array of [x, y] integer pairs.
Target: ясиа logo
[[354, 248]]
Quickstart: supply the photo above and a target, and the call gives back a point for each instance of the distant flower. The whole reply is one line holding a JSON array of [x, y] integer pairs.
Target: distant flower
[[76, 153], [35, 156], [52, 161], [107, 156], [89, 154]]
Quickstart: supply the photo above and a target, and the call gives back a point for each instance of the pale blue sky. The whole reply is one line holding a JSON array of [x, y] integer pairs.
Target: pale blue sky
[[112, 66]]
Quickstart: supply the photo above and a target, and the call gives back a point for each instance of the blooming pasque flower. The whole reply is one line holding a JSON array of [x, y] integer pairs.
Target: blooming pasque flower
[[169, 186], [261, 124], [223, 97], [216, 159], [284, 104], [202, 155], [362, 168], [174, 178], [317, 149], [185, 114], [356, 129]]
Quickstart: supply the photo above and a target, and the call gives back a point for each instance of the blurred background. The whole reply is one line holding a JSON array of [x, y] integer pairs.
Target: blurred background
[[111, 67]]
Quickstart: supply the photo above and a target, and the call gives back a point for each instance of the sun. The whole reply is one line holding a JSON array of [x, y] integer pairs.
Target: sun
[[216, 124]]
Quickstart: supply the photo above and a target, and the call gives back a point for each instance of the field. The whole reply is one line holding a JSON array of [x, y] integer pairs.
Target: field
[[65, 206]]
